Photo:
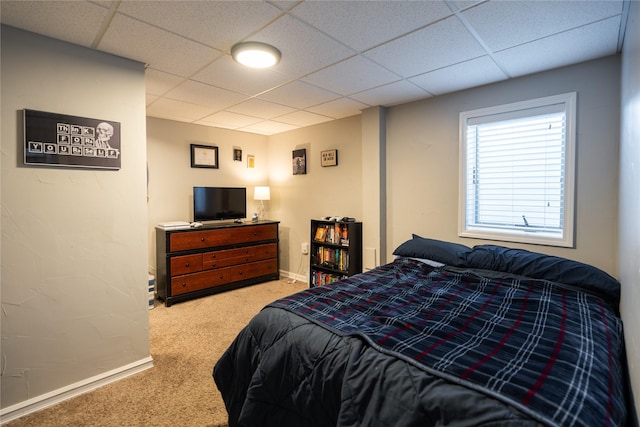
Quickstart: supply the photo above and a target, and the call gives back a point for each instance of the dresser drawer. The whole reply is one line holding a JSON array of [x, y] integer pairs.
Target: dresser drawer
[[186, 264], [255, 233], [217, 259], [202, 280], [187, 240], [267, 251], [254, 269]]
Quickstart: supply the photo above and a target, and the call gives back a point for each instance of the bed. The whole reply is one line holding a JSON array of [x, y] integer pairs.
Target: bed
[[443, 335]]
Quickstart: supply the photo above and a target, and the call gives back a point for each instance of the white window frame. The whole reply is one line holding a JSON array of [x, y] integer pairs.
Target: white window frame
[[564, 238]]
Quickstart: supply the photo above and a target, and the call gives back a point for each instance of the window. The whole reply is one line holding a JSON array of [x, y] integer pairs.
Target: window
[[517, 164]]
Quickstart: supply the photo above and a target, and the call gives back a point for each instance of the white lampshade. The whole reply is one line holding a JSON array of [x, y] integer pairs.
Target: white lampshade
[[261, 193], [255, 54]]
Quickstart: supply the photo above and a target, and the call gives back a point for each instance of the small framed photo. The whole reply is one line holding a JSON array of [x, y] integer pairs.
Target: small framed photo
[[237, 155], [329, 158], [251, 161], [300, 162], [204, 156]]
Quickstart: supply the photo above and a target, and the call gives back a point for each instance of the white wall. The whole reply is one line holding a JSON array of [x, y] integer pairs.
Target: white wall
[[295, 199], [323, 191], [74, 244], [171, 177], [422, 159], [629, 259]]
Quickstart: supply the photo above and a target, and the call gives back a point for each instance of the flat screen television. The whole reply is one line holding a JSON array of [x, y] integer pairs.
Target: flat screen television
[[219, 203]]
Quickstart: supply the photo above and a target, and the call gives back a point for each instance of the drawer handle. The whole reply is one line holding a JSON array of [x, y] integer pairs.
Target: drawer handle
[[202, 239], [186, 264], [221, 276], [184, 284], [213, 264], [241, 273]]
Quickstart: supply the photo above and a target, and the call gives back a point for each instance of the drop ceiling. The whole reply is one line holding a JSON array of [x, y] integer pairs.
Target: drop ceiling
[[338, 57]]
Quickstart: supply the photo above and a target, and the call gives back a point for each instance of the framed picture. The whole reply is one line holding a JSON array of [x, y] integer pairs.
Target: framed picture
[[204, 156], [329, 158], [237, 155], [60, 140], [300, 162], [251, 161]]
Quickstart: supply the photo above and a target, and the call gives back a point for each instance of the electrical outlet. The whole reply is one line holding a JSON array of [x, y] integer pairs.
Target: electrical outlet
[[305, 248]]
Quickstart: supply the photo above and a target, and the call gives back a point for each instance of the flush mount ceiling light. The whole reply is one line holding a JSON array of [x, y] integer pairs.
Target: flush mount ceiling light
[[255, 54]]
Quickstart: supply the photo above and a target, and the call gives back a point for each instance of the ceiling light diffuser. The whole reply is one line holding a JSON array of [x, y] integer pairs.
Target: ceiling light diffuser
[[255, 54]]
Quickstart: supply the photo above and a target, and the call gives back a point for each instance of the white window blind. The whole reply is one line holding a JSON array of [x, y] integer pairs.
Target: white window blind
[[516, 163]]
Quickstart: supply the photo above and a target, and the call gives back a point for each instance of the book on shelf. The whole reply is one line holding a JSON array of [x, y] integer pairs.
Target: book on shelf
[[337, 234], [321, 232], [320, 278], [337, 259]]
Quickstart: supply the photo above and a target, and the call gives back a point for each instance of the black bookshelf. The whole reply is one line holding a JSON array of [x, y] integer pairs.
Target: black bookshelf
[[336, 251]]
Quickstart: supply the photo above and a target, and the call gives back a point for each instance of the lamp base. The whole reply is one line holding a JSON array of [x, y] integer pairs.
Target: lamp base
[[261, 211]]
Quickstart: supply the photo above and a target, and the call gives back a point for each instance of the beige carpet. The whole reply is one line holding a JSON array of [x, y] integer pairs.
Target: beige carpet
[[186, 341]]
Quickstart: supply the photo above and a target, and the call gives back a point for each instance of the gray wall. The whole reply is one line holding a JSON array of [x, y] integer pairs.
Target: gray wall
[[423, 146], [629, 223], [74, 243]]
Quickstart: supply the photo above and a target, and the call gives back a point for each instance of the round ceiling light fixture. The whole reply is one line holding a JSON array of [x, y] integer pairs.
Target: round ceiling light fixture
[[255, 54]]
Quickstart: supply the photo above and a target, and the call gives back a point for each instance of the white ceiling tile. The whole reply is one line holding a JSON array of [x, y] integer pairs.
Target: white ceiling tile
[[200, 20], [158, 83], [303, 49], [54, 17], [465, 4], [202, 94], [227, 120], [439, 45], [259, 108], [303, 118], [299, 95], [339, 108], [269, 128], [562, 49], [352, 75], [392, 94], [284, 4], [163, 50], [523, 21], [351, 21], [149, 99], [477, 72], [226, 73], [177, 110]]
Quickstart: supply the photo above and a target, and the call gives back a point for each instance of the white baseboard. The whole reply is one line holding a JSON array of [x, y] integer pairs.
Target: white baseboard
[[294, 277], [54, 397]]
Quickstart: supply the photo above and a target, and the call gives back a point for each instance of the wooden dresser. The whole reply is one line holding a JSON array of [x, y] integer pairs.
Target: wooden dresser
[[201, 261]]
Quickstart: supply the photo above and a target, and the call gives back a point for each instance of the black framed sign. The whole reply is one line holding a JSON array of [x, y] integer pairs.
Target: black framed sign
[[52, 139], [329, 158], [204, 156]]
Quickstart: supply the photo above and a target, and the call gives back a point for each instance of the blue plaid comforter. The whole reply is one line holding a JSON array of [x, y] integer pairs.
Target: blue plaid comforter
[[552, 351]]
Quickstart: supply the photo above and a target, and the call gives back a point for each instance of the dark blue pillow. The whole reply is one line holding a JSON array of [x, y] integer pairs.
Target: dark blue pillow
[[437, 250], [546, 267]]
